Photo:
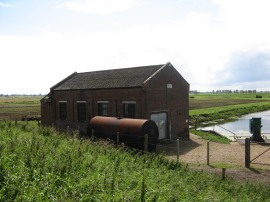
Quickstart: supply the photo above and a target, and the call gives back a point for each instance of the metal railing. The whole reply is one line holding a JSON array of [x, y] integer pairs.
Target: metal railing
[[234, 134]]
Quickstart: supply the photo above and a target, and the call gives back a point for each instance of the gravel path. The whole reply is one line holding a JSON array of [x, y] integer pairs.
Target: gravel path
[[230, 156]]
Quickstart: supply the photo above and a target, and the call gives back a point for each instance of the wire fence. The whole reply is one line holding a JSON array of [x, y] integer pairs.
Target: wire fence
[[207, 152], [144, 142]]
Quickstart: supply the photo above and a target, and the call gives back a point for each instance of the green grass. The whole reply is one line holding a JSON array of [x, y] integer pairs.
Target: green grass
[[14, 107], [225, 113], [208, 100], [211, 137], [39, 164]]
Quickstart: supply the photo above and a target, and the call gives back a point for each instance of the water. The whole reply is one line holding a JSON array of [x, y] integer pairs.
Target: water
[[241, 126]]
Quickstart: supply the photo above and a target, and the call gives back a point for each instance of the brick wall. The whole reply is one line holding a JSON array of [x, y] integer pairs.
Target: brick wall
[[168, 92], [154, 97]]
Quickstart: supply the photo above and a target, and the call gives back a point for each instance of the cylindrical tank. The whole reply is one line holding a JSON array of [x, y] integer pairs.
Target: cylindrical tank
[[131, 131]]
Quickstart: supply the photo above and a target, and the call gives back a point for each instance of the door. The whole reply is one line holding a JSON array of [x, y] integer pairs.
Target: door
[[161, 120]]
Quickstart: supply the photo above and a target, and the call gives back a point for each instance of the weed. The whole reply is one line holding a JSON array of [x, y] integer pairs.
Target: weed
[[40, 164], [211, 137]]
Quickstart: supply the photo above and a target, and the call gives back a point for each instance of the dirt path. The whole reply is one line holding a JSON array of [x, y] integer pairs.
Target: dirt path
[[229, 156]]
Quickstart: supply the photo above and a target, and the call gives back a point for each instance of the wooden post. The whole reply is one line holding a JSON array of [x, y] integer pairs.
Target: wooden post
[[247, 153], [117, 138], [146, 142], [177, 149], [15, 122], [196, 123], [92, 133], [223, 173], [207, 155]]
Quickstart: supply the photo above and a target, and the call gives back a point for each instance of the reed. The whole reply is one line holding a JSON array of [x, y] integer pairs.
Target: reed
[[40, 164]]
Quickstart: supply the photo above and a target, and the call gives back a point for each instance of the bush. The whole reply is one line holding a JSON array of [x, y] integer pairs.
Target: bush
[[258, 96]]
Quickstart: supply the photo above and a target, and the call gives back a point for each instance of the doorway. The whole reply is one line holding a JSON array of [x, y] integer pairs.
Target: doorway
[[161, 120]]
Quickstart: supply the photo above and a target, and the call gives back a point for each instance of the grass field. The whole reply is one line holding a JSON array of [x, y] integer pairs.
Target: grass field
[[39, 164], [14, 107], [208, 100], [223, 107], [203, 107]]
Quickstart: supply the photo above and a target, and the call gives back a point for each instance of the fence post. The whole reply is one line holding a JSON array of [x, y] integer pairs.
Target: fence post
[[117, 138], [223, 173], [146, 142], [196, 123], [92, 133], [247, 153], [177, 149], [207, 155]]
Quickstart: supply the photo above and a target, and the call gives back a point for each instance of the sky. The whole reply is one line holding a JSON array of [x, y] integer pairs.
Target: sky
[[214, 44]]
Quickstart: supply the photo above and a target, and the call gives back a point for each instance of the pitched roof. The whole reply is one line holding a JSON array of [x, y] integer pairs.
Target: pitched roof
[[116, 78]]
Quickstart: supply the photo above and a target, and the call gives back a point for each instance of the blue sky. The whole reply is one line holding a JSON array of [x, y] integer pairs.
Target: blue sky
[[214, 44]]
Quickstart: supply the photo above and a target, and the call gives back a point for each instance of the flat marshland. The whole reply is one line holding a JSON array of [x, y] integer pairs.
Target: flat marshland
[[14, 107]]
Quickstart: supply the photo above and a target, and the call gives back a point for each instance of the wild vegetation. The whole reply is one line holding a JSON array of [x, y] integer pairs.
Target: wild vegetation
[[39, 164]]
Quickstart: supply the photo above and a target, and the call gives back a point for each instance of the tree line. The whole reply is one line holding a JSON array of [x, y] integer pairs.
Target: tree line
[[230, 91]]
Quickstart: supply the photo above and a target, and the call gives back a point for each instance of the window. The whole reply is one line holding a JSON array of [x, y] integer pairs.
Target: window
[[63, 110], [81, 111], [102, 108], [129, 109]]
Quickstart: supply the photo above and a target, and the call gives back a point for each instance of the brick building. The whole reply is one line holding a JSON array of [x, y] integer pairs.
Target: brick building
[[155, 92]]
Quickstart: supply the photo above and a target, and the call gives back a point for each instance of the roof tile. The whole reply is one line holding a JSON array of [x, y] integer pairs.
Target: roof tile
[[117, 78]]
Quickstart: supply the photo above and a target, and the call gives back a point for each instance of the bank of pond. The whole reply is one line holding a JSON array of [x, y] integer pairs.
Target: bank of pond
[[240, 127]]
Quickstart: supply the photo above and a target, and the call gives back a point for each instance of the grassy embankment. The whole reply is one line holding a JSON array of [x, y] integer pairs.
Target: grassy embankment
[[14, 107], [38, 164], [211, 136], [224, 107]]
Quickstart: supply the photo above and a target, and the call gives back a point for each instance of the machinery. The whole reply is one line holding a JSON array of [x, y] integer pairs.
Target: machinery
[[255, 129]]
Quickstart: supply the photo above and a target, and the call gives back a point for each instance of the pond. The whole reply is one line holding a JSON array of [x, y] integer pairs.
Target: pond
[[240, 127]]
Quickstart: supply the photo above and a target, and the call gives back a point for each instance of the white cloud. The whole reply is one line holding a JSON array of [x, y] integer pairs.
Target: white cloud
[[246, 22], [5, 5], [98, 6], [198, 45]]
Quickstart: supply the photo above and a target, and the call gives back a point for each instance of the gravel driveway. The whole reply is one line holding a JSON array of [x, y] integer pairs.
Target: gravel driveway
[[230, 156]]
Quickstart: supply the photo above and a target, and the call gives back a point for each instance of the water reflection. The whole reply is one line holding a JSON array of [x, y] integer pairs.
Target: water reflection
[[241, 126]]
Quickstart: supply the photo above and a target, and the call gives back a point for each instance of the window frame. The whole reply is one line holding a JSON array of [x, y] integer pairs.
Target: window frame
[[63, 110], [81, 111], [102, 109], [129, 109]]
